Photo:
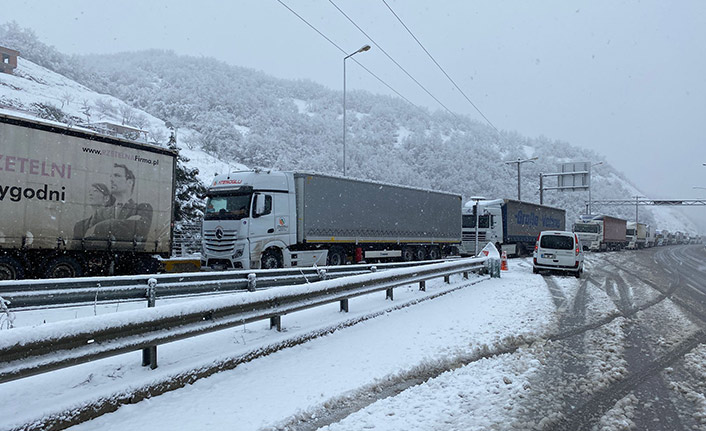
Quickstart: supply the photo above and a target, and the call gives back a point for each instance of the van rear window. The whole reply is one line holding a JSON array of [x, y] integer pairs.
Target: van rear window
[[557, 242]]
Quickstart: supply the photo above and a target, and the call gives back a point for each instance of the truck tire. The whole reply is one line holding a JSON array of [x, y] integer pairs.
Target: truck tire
[[434, 253], [336, 257], [270, 260], [63, 267], [11, 269], [407, 254], [420, 253]]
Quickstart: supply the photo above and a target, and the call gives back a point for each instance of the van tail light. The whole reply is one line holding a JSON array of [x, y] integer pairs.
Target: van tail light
[[536, 244], [578, 246]]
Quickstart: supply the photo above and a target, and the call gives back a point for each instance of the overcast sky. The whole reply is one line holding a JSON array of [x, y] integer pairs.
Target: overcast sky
[[624, 78]]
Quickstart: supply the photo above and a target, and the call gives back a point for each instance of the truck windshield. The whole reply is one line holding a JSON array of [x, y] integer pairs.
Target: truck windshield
[[586, 227], [469, 221], [630, 232], [228, 207]]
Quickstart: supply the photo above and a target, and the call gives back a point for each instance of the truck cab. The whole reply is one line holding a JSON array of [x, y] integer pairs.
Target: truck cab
[[589, 233], [489, 227], [248, 221]]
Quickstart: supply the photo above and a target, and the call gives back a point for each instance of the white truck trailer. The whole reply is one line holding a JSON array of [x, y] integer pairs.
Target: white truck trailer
[[271, 219], [75, 202]]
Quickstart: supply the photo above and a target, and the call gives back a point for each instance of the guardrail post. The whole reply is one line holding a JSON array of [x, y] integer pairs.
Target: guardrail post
[[252, 281], [465, 275], [373, 268], [389, 295], [276, 322], [447, 279], [344, 305], [423, 286], [149, 354]]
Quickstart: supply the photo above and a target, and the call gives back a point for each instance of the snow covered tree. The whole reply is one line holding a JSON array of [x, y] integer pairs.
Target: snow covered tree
[[190, 191]]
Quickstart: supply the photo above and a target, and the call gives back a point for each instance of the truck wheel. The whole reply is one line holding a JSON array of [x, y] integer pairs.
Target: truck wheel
[[420, 253], [407, 254], [11, 269], [434, 253], [63, 267], [336, 257], [270, 260]]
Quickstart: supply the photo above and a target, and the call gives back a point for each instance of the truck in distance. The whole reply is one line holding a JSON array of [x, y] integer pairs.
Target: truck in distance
[[511, 225], [75, 202], [637, 235], [272, 219], [602, 233]]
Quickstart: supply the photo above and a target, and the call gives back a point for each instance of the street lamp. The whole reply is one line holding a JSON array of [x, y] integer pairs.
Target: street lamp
[[519, 162], [362, 49], [590, 209]]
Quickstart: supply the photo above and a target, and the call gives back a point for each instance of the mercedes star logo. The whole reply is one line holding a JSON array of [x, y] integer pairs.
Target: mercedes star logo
[[219, 233]]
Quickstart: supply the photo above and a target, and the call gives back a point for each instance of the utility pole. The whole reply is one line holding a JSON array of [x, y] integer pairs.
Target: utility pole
[[519, 162]]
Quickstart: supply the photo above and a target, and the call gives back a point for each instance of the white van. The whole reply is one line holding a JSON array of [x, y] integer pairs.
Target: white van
[[558, 251]]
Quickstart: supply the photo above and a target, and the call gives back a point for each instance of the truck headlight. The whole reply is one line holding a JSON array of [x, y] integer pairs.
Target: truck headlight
[[238, 252]]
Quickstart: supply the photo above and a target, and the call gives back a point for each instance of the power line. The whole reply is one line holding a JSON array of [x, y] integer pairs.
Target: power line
[[391, 59], [356, 61], [440, 68]]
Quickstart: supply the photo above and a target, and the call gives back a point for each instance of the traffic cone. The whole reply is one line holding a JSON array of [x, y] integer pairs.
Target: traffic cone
[[503, 262]]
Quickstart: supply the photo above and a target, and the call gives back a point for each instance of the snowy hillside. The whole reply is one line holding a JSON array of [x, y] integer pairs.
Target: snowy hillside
[[227, 117], [34, 91]]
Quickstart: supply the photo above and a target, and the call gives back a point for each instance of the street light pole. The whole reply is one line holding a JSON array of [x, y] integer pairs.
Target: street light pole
[[362, 49], [519, 162], [590, 208]]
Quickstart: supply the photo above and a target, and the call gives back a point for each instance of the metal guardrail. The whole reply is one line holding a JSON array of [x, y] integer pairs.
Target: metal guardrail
[[29, 351], [63, 292]]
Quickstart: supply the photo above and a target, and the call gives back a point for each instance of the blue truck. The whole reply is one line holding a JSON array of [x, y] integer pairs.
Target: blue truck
[[513, 226]]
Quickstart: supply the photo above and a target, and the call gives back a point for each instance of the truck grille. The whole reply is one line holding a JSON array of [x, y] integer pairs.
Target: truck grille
[[224, 245], [471, 237]]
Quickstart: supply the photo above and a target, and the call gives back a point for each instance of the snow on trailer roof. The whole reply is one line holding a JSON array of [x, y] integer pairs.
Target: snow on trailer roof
[[338, 177], [26, 120]]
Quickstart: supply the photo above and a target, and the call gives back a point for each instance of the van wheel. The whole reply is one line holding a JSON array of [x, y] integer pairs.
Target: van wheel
[[578, 274], [63, 267], [271, 260], [336, 257], [535, 271], [11, 269]]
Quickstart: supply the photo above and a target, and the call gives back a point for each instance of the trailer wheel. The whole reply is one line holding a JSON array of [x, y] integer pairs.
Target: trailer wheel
[[10, 269], [63, 267], [420, 253], [434, 253], [336, 257], [270, 260], [407, 254]]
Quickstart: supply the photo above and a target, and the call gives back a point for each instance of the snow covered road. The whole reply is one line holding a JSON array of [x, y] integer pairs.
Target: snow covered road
[[615, 350]]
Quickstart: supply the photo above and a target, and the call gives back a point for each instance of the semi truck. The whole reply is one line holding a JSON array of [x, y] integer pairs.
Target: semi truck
[[75, 202], [513, 226], [637, 235], [602, 233], [271, 219]]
